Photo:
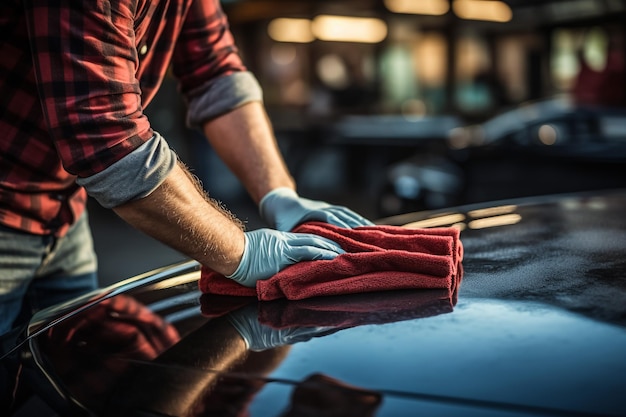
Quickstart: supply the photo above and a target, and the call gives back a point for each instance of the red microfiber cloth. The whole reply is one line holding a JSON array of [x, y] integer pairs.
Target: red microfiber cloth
[[377, 258]]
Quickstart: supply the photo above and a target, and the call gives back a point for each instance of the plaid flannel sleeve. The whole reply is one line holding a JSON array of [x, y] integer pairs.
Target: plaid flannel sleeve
[[85, 60]]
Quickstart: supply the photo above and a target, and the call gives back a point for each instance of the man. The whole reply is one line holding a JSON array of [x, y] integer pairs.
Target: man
[[74, 79]]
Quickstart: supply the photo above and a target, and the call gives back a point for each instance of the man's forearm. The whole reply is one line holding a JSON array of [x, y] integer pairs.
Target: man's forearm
[[244, 139], [179, 214]]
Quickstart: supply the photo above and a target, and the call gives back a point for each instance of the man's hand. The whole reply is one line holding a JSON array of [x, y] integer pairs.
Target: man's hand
[[283, 210], [268, 251]]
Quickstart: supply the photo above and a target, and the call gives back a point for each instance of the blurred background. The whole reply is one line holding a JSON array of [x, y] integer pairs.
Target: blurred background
[[389, 106]]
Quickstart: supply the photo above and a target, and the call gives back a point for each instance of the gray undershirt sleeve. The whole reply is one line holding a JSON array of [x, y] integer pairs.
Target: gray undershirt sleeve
[[221, 96], [134, 176]]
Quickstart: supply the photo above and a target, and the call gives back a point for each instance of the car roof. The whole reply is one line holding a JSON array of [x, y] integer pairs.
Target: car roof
[[538, 327]]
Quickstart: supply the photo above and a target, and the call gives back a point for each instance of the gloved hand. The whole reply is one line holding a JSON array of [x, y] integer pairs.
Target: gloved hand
[[283, 209], [268, 251], [259, 337]]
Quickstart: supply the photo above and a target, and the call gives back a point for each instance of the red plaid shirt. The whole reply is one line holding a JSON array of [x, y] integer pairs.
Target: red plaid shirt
[[74, 79]]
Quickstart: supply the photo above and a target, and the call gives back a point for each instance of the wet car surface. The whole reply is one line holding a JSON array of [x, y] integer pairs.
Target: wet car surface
[[537, 326]]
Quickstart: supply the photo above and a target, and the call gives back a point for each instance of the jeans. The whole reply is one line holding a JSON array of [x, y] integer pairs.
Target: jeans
[[40, 271]]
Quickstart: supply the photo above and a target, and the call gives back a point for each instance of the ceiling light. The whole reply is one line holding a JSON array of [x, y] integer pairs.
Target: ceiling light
[[290, 30], [349, 29], [426, 7], [489, 10]]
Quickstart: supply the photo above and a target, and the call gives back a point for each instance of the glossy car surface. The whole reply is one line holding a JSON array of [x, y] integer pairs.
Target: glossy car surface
[[538, 327]]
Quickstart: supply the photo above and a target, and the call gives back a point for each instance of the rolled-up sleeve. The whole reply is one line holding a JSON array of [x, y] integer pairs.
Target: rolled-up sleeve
[[140, 172], [85, 62], [221, 96], [207, 63]]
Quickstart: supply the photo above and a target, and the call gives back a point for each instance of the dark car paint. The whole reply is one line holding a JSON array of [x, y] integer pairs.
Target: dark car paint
[[539, 328]]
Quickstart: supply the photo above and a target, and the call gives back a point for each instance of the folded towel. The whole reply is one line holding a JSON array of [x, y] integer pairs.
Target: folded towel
[[377, 258]]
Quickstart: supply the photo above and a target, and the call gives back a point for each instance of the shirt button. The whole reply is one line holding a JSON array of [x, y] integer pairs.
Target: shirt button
[[143, 49]]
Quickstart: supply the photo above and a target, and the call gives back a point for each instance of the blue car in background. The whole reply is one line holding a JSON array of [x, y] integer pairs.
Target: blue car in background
[[541, 148]]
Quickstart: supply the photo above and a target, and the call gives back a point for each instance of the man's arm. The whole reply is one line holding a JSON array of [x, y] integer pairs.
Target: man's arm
[[180, 215], [244, 140], [225, 101]]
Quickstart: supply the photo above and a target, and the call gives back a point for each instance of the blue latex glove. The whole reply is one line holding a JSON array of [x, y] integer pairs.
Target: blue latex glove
[[259, 337], [268, 251], [283, 209]]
